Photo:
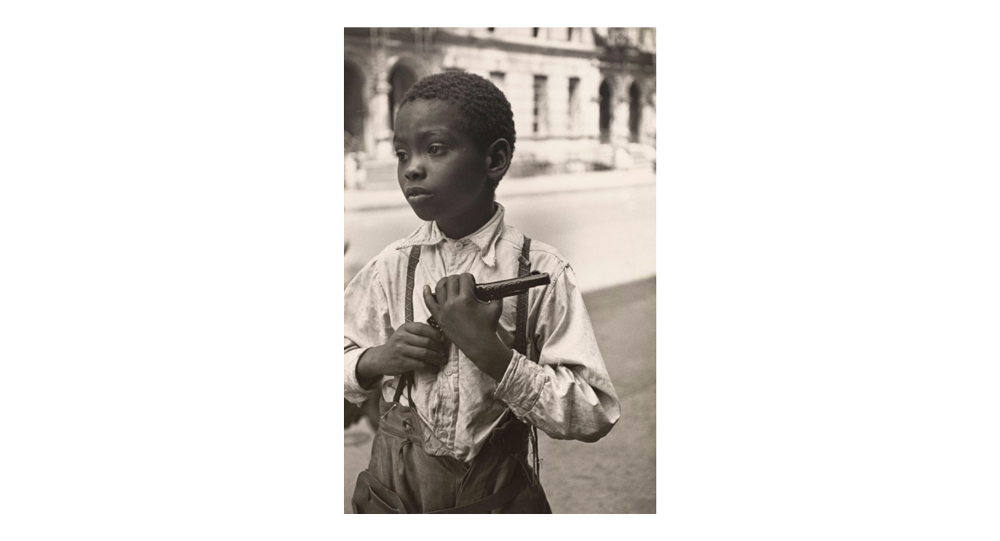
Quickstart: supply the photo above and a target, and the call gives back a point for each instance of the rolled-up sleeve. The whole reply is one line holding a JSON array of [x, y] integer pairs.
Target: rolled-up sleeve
[[366, 324], [568, 393]]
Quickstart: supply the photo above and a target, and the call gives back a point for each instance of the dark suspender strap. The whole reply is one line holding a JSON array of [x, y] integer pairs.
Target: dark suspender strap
[[399, 388], [411, 271], [406, 379], [521, 321], [521, 339], [518, 484]]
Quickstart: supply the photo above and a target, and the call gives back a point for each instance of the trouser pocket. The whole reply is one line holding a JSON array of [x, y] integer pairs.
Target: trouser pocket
[[372, 497]]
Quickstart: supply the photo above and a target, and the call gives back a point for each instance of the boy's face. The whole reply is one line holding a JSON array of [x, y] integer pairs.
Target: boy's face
[[441, 170]]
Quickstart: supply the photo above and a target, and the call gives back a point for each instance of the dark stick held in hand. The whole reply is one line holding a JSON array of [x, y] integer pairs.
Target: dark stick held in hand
[[509, 288], [491, 291]]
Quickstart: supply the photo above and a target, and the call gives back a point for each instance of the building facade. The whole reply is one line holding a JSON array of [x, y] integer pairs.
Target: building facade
[[583, 98]]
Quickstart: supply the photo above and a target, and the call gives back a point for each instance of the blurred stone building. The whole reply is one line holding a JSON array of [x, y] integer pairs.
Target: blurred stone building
[[583, 98]]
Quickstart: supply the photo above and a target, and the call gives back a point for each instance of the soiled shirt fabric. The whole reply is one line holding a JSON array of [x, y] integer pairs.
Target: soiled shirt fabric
[[563, 388]]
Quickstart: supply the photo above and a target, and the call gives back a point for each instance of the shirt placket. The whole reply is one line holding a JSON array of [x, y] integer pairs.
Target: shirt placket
[[456, 262]]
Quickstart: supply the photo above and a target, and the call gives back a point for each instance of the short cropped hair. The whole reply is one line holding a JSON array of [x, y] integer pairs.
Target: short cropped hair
[[486, 112]]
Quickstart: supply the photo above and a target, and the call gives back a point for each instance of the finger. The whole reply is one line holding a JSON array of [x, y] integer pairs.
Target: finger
[[441, 290], [416, 329], [431, 354], [413, 365], [424, 330], [432, 303], [422, 355], [413, 327], [454, 288], [423, 341], [434, 357], [467, 285]]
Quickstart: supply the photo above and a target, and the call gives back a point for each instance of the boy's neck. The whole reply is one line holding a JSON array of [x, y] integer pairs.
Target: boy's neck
[[462, 226]]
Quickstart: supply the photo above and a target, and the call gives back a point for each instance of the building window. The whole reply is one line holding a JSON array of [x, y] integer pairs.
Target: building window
[[569, 34], [574, 104], [539, 125], [498, 78], [491, 29], [534, 32]]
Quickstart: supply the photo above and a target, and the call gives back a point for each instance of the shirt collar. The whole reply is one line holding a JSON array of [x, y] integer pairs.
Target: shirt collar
[[485, 238]]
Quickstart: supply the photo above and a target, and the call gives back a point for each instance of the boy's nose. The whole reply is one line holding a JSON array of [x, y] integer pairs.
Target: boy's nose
[[415, 171]]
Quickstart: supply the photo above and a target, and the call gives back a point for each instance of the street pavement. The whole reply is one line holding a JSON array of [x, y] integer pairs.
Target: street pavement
[[607, 233], [618, 473], [390, 196]]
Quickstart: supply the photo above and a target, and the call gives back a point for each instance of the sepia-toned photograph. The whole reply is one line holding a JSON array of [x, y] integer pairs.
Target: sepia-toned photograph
[[758, 299], [500, 270]]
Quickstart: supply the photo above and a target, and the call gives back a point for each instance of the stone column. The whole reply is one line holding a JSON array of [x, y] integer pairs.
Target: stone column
[[378, 104], [379, 107]]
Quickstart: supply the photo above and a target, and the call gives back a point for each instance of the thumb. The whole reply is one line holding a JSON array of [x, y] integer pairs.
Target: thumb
[[495, 309], [430, 301]]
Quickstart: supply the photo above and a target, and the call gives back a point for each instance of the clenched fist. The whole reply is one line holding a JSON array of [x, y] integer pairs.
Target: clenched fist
[[470, 323], [413, 346]]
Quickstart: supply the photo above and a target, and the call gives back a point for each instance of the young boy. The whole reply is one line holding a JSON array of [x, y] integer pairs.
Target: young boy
[[453, 436]]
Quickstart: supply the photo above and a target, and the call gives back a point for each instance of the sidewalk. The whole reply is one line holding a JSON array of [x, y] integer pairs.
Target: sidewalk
[[362, 200]]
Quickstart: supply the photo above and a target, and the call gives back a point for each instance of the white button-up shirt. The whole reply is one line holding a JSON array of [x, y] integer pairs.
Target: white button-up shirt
[[561, 386]]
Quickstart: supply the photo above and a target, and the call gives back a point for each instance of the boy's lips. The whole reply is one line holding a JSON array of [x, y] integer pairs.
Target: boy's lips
[[416, 194]]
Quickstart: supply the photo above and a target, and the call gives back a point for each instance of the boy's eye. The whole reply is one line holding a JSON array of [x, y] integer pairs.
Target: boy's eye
[[435, 149], [400, 155]]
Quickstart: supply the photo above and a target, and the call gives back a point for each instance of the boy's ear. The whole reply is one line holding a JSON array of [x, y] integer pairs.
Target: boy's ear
[[497, 160]]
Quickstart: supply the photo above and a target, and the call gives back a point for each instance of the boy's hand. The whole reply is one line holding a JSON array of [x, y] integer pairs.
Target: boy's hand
[[413, 346], [469, 322]]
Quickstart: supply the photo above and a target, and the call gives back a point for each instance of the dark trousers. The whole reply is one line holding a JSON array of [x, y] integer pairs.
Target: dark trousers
[[426, 483]]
